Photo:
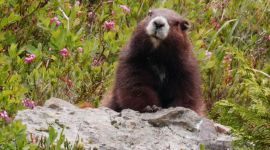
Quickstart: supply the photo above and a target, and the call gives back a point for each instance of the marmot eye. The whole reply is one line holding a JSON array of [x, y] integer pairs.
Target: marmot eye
[[176, 23]]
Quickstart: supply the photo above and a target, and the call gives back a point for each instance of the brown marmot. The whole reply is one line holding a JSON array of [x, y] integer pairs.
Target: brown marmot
[[157, 67]]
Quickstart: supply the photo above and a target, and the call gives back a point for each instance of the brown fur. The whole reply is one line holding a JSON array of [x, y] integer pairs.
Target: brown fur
[[137, 85]]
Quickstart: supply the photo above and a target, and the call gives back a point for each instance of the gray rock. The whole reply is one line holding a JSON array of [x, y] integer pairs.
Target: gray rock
[[173, 128]]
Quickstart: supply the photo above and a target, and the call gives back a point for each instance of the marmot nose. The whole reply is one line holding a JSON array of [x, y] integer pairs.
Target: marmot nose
[[158, 24]]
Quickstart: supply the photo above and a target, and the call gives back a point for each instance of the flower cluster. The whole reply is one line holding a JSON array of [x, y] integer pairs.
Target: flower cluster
[[28, 103], [89, 14], [29, 58], [4, 115], [109, 25], [79, 13], [55, 19], [80, 49], [77, 3], [125, 8], [207, 53], [227, 58], [64, 52]]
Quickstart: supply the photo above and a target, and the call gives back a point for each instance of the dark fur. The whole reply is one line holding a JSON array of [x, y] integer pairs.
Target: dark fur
[[137, 83]]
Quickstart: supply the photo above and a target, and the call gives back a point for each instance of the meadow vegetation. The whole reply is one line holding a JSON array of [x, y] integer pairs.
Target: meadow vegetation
[[69, 49]]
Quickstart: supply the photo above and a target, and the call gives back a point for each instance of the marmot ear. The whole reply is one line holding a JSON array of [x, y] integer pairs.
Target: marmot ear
[[150, 13], [184, 25]]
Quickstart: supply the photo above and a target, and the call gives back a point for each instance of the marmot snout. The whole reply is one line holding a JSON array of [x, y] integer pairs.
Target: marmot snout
[[157, 68]]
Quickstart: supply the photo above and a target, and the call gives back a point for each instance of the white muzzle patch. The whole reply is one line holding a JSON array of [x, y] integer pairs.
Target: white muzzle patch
[[158, 29]]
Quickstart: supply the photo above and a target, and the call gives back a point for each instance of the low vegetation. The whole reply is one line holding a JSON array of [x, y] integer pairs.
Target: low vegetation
[[69, 49]]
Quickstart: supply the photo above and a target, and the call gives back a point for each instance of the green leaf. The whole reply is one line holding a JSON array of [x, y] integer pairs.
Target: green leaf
[[2, 1], [76, 22], [6, 68], [202, 147], [30, 48], [11, 39], [224, 25], [14, 77], [4, 21], [12, 50], [210, 64]]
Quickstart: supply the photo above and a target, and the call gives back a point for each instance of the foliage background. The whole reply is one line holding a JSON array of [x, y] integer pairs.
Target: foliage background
[[235, 76]]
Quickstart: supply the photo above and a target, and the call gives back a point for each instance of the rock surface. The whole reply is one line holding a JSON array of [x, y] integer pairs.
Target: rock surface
[[168, 129]]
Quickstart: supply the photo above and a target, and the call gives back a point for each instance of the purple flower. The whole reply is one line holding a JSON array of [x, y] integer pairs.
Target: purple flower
[[58, 23], [109, 25], [28, 103], [113, 13], [208, 53], [52, 20], [80, 49], [63, 51], [29, 58], [77, 3], [33, 56], [79, 14], [4, 115], [89, 14], [125, 8]]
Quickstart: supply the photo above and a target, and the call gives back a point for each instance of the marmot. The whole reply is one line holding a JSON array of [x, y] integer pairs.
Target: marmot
[[157, 67]]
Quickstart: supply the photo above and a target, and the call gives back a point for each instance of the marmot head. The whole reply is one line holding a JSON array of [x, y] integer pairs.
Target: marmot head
[[163, 25]]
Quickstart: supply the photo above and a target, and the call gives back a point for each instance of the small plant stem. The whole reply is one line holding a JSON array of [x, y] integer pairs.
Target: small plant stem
[[65, 17], [262, 72]]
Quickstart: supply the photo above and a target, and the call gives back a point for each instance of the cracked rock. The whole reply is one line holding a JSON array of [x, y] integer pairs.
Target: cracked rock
[[173, 128]]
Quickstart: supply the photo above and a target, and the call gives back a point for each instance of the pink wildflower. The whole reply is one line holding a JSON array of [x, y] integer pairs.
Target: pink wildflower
[[28, 103], [79, 13], [33, 56], [70, 7], [77, 3], [125, 8], [89, 14], [81, 39], [113, 13], [63, 51], [50, 14], [58, 23], [52, 20], [33, 105], [80, 49], [109, 25], [29, 58], [50, 49], [55, 18], [208, 53], [4, 115], [11, 9]]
